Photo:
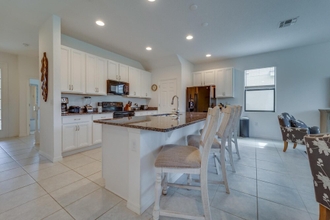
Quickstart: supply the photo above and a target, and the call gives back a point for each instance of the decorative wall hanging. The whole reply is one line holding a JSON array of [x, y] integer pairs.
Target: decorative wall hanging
[[44, 77]]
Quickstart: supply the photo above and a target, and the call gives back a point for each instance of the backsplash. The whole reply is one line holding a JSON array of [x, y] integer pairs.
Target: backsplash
[[78, 100]]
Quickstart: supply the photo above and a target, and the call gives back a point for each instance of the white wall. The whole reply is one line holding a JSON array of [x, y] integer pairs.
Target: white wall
[[28, 68], [89, 48], [170, 72], [186, 80], [50, 114], [302, 85], [10, 105]]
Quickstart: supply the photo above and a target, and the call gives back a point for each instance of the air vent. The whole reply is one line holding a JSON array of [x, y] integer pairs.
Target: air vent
[[288, 22]]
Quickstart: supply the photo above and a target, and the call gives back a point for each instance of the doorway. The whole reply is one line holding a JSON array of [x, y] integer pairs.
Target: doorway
[[167, 91], [33, 119]]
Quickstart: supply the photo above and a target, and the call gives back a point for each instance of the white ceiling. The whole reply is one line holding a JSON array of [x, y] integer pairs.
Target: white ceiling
[[235, 27]]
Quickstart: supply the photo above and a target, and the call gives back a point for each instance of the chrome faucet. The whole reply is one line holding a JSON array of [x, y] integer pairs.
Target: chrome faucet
[[177, 98]]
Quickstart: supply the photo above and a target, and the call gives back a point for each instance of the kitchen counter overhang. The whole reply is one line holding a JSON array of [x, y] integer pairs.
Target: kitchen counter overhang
[[158, 123]]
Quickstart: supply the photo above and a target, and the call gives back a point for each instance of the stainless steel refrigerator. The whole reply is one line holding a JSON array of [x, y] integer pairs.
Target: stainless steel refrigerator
[[200, 98]]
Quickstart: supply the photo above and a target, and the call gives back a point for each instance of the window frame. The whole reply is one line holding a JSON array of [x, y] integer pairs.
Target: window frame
[[260, 88]]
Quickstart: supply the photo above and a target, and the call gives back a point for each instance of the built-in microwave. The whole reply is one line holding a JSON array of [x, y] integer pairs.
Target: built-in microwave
[[117, 88]]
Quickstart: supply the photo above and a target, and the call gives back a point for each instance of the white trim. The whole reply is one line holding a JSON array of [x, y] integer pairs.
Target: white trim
[[4, 132]]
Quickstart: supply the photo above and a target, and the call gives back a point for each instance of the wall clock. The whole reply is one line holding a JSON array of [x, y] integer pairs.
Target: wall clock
[[154, 87]]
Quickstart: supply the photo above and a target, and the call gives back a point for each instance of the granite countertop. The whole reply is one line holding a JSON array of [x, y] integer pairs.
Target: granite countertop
[[159, 123]]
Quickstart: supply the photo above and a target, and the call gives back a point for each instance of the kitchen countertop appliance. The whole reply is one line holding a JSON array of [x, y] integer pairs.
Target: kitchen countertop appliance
[[88, 107], [64, 105], [117, 109]]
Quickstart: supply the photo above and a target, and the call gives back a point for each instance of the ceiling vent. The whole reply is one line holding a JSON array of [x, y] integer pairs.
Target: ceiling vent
[[288, 22]]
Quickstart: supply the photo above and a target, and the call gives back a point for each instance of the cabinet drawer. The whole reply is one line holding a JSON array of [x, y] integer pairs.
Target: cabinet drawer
[[76, 119], [102, 116]]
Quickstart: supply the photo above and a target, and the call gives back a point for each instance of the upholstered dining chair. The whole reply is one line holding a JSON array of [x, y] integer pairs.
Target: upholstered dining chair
[[318, 150], [294, 130], [186, 159]]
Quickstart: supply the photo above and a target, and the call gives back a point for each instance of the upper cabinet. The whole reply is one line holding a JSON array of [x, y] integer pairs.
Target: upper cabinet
[[224, 81], [96, 72], [123, 73], [112, 70], [204, 78], [72, 70], [134, 82], [145, 84], [117, 71]]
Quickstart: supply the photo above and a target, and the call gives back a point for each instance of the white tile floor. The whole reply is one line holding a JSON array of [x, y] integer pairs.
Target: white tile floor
[[268, 184]]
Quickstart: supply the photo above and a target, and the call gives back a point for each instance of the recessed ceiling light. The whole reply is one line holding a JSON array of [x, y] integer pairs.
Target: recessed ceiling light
[[148, 48], [151, 0], [99, 23], [208, 55], [189, 37]]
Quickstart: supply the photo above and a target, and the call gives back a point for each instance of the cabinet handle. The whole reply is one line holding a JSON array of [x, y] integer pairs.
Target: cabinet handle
[[119, 77], [78, 128], [77, 119], [72, 87], [146, 94], [98, 90], [134, 93]]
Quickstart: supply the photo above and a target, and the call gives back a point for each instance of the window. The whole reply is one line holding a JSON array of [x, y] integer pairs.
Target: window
[[260, 90]]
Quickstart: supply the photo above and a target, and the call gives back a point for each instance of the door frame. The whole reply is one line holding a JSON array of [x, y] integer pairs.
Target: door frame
[[34, 82], [4, 132]]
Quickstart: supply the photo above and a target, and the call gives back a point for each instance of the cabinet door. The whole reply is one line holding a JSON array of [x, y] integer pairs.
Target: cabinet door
[[101, 72], [198, 79], [91, 75], [229, 82], [77, 71], [224, 83], [83, 135], [209, 78], [69, 137], [113, 70], [145, 84], [123, 73], [97, 133], [65, 69], [134, 82]]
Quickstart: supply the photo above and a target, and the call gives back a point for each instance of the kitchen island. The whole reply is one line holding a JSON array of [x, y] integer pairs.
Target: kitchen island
[[130, 146]]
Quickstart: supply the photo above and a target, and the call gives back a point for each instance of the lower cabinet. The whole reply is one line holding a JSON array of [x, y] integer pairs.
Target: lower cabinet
[[76, 132], [97, 128]]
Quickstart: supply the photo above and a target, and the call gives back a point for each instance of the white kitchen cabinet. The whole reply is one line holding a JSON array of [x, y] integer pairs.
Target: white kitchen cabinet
[[96, 71], [123, 73], [145, 84], [97, 128], [204, 78], [113, 73], [117, 71], [134, 82], [224, 83], [76, 132], [72, 70]]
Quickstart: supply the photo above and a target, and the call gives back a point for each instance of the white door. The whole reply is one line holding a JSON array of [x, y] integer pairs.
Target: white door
[[166, 92]]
